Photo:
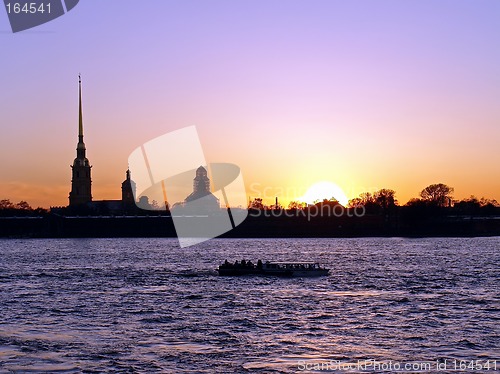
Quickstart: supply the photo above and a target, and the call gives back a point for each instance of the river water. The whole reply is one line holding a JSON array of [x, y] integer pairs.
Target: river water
[[146, 305]]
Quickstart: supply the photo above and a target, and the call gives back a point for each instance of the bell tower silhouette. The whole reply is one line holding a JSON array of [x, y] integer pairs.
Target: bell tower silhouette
[[81, 182], [128, 190]]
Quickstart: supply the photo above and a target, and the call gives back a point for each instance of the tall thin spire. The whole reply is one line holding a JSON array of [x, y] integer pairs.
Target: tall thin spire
[[81, 145], [81, 182], [80, 119]]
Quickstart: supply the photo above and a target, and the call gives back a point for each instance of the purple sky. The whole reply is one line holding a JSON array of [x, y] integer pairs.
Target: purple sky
[[368, 95]]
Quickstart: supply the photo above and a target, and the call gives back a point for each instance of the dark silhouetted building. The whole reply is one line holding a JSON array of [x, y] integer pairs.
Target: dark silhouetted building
[[201, 200], [81, 182], [201, 187], [80, 197], [128, 190]]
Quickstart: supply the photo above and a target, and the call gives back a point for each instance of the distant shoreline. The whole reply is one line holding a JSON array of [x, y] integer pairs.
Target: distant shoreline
[[52, 226]]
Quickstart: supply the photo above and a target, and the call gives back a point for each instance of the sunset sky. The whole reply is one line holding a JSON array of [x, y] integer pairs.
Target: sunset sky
[[364, 94]]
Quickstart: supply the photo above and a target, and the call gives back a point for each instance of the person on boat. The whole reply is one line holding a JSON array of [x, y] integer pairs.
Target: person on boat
[[259, 264]]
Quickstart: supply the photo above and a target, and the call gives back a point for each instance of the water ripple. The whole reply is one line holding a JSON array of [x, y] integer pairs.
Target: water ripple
[[145, 305]]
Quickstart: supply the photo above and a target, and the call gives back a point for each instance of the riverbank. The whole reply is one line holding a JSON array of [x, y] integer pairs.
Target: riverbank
[[55, 226]]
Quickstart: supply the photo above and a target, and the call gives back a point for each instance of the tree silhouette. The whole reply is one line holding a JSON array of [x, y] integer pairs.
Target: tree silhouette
[[488, 202], [468, 206], [256, 204], [21, 208], [382, 200], [6, 204], [365, 199], [414, 202], [23, 205], [385, 198], [354, 203], [437, 194], [295, 205]]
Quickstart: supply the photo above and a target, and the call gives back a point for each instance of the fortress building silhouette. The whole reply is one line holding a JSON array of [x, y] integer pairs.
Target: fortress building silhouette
[[201, 200], [201, 187], [128, 190], [81, 181], [80, 196]]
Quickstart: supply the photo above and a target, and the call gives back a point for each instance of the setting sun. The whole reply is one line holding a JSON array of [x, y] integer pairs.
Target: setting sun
[[324, 190]]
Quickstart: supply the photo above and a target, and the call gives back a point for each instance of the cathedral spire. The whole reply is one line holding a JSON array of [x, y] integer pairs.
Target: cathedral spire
[[81, 182], [80, 119], [80, 149]]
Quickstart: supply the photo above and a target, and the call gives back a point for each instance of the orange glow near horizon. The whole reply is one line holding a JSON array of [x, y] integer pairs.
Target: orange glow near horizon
[[268, 174], [47, 195]]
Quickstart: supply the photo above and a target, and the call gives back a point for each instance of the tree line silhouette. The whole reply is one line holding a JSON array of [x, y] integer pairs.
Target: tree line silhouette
[[434, 213], [435, 199], [22, 208]]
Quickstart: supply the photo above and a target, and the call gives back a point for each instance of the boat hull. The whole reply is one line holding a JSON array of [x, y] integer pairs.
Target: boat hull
[[273, 272]]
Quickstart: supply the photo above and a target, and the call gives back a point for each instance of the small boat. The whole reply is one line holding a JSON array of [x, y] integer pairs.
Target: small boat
[[281, 269]]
